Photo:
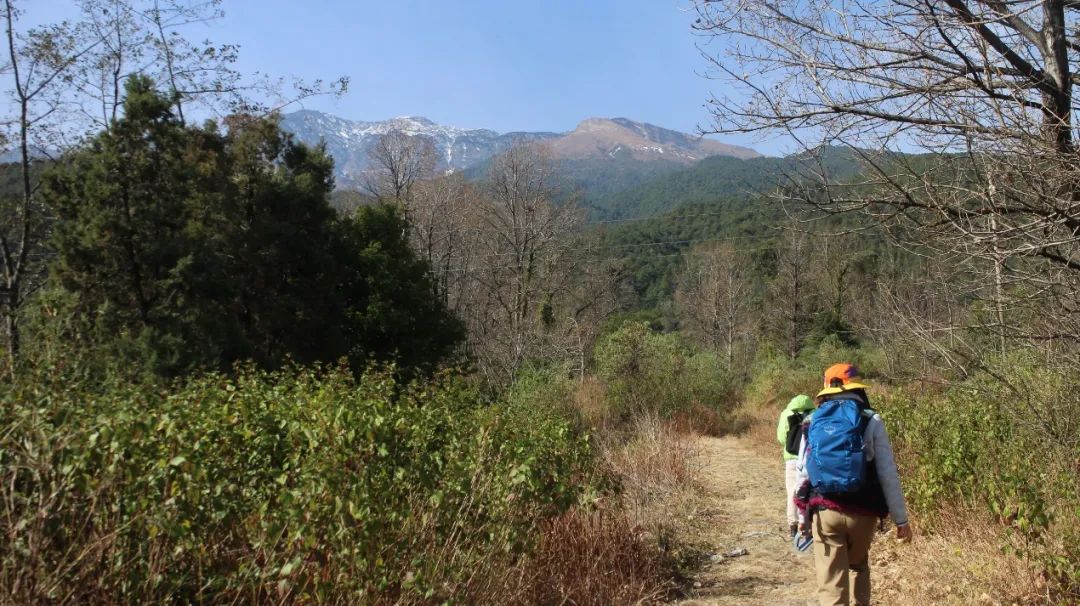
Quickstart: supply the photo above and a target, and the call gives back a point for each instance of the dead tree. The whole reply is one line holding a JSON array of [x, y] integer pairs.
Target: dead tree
[[716, 296], [444, 231], [526, 258], [398, 162]]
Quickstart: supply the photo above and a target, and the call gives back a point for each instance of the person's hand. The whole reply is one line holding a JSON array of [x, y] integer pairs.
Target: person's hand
[[904, 533], [804, 530]]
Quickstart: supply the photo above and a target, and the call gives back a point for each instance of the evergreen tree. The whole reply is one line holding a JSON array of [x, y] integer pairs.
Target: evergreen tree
[[180, 247], [282, 236], [391, 311], [128, 233]]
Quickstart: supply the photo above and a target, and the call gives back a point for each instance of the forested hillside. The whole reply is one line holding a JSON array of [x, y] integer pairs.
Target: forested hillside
[[722, 178]]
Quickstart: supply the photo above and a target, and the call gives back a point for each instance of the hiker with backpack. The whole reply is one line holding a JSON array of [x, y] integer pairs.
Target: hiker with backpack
[[848, 483], [789, 434]]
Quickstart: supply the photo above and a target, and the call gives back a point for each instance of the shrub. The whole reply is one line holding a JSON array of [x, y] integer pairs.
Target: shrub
[[655, 373], [297, 485], [777, 378], [1003, 442]]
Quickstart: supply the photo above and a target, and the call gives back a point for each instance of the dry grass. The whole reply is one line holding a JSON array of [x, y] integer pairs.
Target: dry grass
[[655, 461], [595, 558], [659, 470], [656, 464], [590, 399], [959, 563], [702, 419], [755, 422], [591, 556]]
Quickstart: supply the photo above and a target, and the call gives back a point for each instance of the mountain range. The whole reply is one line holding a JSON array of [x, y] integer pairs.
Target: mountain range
[[603, 143]]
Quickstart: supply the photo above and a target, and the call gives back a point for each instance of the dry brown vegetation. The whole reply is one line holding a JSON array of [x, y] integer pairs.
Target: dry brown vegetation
[[959, 562], [595, 558], [657, 467], [623, 551]]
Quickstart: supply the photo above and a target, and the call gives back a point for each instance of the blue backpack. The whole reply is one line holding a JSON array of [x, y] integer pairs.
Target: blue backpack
[[836, 462]]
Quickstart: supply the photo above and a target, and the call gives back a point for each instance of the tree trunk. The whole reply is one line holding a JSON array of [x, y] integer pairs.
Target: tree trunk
[[11, 330], [1058, 100]]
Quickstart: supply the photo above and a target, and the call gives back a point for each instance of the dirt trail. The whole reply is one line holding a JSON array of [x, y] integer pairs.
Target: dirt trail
[[745, 509]]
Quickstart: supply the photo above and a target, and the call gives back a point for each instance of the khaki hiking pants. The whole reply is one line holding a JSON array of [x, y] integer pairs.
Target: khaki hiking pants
[[841, 557]]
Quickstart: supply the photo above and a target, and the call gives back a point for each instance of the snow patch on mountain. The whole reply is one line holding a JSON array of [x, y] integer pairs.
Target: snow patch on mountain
[[349, 142]]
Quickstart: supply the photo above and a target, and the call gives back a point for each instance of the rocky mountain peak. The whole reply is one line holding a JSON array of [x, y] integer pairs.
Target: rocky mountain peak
[[349, 141]]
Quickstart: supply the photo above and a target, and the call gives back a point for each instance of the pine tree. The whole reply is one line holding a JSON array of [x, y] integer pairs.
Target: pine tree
[[392, 312], [182, 247], [127, 234]]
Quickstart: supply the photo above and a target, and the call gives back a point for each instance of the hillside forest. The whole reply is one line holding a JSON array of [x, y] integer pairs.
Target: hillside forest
[[228, 378]]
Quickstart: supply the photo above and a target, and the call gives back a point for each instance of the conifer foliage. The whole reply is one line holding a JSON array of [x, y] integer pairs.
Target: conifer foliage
[[193, 247]]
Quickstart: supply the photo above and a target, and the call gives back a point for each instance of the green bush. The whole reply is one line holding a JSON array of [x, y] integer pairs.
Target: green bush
[[655, 373], [777, 378], [297, 485], [1003, 441]]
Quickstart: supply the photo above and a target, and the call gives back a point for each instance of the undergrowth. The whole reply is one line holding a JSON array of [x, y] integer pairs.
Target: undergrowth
[[304, 485]]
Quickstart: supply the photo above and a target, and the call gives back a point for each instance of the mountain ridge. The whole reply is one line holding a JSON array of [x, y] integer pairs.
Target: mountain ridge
[[349, 141]]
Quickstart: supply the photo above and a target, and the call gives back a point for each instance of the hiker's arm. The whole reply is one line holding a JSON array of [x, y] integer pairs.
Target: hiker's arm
[[781, 428], [885, 464]]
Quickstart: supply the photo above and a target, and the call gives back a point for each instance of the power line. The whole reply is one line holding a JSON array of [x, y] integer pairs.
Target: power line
[[689, 241]]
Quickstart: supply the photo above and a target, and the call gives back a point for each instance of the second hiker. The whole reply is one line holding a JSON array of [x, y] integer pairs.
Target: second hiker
[[789, 434]]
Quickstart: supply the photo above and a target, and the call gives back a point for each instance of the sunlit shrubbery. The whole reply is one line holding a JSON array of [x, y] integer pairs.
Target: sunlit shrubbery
[[1007, 441], [775, 377], [647, 372], [293, 485]]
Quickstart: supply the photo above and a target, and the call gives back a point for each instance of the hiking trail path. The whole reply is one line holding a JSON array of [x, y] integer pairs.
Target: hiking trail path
[[743, 493]]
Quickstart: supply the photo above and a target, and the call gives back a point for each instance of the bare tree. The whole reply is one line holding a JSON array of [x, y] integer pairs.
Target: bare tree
[[527, 259], [716, 295], [505, 256], [986, 85], [399, 162], [445, 232], [792, 292], [597, 289], [148, 37]]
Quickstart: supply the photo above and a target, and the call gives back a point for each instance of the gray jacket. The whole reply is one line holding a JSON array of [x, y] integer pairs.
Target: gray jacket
[[876, 448]]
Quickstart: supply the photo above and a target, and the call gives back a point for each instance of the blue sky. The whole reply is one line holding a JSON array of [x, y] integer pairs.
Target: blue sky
[[505, 65]]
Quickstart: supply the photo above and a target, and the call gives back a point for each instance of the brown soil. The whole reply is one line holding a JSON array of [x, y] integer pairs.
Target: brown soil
[[744, 507]]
